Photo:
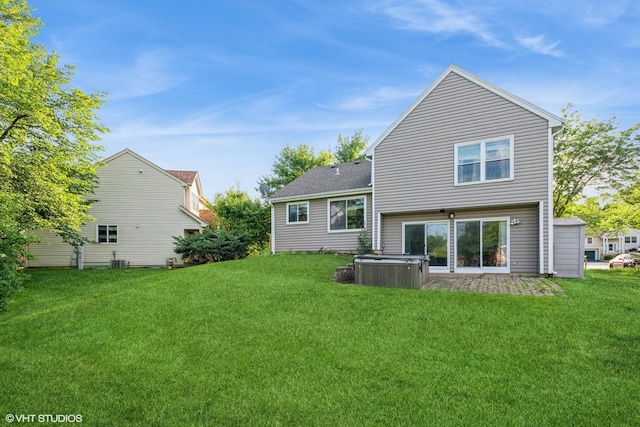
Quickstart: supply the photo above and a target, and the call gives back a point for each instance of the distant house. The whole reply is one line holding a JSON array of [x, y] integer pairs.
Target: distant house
[[464, 175], [140, 208], [598, 246]]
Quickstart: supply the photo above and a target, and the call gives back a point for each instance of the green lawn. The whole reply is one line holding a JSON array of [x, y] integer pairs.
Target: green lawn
[[273, 341]]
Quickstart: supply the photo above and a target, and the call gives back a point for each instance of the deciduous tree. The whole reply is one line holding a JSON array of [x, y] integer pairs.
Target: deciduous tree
[[47, 133], [235, 210], [592, 153], [351, 148], [47, 128], [293, 162]]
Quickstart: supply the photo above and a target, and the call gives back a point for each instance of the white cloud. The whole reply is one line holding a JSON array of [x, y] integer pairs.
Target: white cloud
[[373, 99], [150, 73], [538, 44], [433, 16]]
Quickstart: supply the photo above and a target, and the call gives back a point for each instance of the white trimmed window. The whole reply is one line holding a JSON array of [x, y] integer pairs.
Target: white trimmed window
[[631, 239], [485, 160], [107, 234], [298, 213], [589, 240], [347, 214]]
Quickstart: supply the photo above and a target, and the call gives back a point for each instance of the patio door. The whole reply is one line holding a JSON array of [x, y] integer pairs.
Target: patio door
[[482, 245], [428, 238]]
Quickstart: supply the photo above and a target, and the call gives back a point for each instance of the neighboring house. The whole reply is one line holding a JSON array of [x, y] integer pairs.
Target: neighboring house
[[597, 246], [140, 208], [464, 175]]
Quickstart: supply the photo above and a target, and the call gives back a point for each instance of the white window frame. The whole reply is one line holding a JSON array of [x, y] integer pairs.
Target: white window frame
[[630, 239], [108, 227], [483, 143], [481, 269], [345, 199], [306, 202], [589, 240]]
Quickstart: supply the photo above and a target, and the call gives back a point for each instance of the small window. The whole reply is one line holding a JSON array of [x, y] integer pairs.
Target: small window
[[298, 213], [486, 160], [107, 234], [589, 240], [347, 214]]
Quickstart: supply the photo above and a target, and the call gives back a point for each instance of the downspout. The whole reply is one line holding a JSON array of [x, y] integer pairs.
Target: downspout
[[550, 234], [541, 235], [273, 228], [374, 225]]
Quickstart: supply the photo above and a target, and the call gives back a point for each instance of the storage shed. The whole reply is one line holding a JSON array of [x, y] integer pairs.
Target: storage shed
[[568, 244]]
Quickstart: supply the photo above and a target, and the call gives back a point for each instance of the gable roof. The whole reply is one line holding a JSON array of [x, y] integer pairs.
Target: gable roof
[[554, 121], [186, 176], [143, 160], [324, 181]]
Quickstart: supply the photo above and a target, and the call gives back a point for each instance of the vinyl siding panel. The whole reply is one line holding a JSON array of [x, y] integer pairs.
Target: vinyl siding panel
[[144, 205], [523, 238], [414, 165], [314, 236], [50, 252]]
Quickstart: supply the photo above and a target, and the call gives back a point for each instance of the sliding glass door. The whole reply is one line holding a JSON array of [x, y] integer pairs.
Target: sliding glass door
[[482, 244], [428, 238]]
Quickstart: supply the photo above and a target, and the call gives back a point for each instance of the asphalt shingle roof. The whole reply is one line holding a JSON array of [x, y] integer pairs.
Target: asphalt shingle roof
[[329, 179], [184, 176]]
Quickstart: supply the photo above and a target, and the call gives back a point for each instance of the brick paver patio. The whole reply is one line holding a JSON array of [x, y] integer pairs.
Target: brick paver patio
[[494, 283]]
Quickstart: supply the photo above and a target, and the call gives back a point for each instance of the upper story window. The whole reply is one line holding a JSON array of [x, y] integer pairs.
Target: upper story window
[[107, 234], [589, 240], [486, 160], [298, 213], [631, 239], [195, 202], [347, 214]]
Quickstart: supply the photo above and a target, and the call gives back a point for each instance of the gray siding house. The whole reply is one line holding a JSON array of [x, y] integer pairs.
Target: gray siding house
[[464, 175]]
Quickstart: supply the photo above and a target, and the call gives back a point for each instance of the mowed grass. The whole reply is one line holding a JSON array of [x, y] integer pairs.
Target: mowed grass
[[273, 341]]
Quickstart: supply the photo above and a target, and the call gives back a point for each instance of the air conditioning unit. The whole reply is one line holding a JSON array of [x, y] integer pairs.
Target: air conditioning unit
[[118, 263]]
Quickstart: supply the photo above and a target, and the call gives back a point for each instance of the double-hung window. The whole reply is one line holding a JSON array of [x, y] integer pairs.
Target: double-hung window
[[347, 214], [298, 213], [107, 234], [482, 161]]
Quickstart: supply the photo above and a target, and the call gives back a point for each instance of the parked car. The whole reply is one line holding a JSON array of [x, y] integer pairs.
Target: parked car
[[622, 261]]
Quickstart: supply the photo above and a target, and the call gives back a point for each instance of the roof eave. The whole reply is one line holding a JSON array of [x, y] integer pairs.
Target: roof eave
[[324, 195]]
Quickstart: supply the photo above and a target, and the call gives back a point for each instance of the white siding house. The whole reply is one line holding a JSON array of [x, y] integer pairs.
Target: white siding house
[[140, 208], [598, 246]]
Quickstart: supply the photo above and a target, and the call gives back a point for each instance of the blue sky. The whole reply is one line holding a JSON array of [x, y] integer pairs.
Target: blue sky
[[221, 87]]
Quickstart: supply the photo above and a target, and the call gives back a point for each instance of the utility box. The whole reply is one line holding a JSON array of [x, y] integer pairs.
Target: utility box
[[393, 271], [118, 264]]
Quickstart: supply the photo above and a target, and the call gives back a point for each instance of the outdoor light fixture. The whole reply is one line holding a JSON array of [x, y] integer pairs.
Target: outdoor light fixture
[[451, 215]]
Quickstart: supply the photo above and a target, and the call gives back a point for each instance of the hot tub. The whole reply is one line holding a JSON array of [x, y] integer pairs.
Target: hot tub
[[394, 271]]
